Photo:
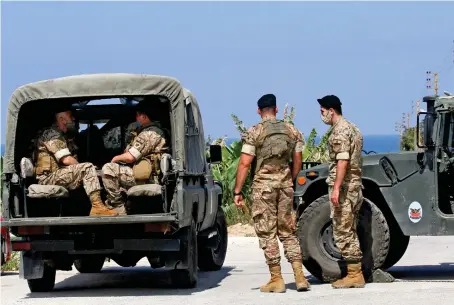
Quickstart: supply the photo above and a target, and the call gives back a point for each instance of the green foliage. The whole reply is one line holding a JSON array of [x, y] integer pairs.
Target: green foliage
[[407, 142], [226, 171], [13, 263]]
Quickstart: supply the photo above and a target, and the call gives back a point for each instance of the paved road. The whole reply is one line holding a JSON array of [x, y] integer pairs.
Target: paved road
[[425, 273]]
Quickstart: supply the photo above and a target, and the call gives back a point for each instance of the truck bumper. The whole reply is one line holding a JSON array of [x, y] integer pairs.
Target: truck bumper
[[119, 245], [89, 220]]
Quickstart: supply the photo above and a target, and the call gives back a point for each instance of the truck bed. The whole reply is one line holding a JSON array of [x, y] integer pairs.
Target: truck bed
[[89, 220]]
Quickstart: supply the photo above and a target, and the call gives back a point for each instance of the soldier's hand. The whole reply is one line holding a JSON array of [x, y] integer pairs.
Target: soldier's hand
[[335, 197], [238, 199]]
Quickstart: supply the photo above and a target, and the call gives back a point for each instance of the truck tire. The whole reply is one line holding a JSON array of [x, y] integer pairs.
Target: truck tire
[[89, 264], [398, 245], [212, 259], [187, 278], [44, 284], [320, 254]]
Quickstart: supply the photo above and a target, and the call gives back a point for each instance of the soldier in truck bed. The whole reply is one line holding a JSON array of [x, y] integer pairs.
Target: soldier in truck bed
[[142, 156], [56, 162]]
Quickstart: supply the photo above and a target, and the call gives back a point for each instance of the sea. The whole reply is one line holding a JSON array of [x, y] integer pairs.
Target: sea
[[376, 143]]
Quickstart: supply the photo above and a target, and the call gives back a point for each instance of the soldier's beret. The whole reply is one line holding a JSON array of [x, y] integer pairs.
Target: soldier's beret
[[268, 100], [329, 101]]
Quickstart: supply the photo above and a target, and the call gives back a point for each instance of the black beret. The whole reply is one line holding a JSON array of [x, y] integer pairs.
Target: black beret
[[329, 101], [268, 100]]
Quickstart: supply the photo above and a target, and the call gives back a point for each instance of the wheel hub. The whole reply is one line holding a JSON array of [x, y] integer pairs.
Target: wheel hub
[[327, 242]]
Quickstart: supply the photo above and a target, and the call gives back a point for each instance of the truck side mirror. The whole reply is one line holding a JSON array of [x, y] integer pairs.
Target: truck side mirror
[[427, 125], [215, 154]]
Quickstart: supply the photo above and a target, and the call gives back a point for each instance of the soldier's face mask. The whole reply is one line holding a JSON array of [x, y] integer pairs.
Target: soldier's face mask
[[326, 117]]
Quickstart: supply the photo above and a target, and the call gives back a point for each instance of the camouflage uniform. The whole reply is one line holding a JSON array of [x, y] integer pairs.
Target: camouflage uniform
[[52, 146], [148, 144], [346, 143], [272, 194]]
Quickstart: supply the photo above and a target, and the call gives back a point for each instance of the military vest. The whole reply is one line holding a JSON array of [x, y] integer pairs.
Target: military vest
[[44, 161], [147, 169], [274, 144]]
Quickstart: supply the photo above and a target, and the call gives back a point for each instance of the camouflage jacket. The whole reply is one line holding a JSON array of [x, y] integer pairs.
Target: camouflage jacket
[[147, 140], [346, 143], [271, 174]]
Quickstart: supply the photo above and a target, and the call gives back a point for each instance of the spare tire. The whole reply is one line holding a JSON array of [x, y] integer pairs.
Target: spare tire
[[322, 258]]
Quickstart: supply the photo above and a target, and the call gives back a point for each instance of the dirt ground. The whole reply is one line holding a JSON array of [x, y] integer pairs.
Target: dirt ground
[[245, 230]]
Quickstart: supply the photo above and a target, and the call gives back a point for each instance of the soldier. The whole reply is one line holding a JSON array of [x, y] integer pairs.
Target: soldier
[[345, 187], [142, 156], [57, 162], [273, 143]]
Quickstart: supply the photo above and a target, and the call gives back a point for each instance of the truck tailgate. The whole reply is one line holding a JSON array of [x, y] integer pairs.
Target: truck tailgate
[[89, 220]]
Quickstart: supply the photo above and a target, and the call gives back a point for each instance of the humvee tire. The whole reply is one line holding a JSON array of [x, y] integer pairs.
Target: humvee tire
[[212, 259], [89, 264], [398, 245], [187, 278], [314, 230], [44, 284]]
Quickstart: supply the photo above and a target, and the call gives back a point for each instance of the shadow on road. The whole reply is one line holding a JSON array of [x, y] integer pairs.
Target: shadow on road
[[441, 272], [137, 281], [6, 273]]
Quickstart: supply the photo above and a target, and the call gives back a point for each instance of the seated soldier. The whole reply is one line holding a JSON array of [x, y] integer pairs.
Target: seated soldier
[[142, 157], [57, 163]]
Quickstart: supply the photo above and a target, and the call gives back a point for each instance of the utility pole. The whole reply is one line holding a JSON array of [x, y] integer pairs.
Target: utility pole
[[429, 81]]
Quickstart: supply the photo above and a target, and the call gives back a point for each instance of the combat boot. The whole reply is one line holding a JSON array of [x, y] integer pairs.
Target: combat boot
[[300, 280], [97, 206], [353, 279], [276, 283]]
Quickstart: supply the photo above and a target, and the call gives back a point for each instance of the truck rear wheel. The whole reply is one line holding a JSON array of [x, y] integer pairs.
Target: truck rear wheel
[[211, 259], [187, 278], [44, 284], [322, 258], [89, 264]]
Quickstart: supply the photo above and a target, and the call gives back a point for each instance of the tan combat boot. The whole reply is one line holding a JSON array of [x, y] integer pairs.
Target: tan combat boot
[[300, 280], [97, 206], [276, 283], [354, 278]]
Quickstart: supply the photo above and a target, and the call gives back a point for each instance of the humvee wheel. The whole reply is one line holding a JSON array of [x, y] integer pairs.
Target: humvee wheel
[[89, 264], [322, 258], [187, 278], [398, 245], [44, 284], [212, 259]]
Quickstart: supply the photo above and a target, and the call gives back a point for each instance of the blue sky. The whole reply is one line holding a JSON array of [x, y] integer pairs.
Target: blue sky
[[374, 56]]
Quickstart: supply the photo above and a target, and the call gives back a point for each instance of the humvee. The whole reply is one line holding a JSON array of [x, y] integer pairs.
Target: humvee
[[405, 194], [178, 223]]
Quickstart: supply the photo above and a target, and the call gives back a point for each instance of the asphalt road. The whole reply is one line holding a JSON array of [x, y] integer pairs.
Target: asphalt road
[[425, 275]]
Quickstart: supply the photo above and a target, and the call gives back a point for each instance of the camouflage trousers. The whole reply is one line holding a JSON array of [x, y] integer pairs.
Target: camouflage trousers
[[72, 176], [273, 216], [117, 179], [345, 219]]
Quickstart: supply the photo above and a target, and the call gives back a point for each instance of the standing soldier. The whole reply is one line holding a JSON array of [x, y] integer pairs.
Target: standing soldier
[[345, 187], [273, 143]]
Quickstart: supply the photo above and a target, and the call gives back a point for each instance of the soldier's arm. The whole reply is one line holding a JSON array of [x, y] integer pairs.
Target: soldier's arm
[[341, 147], [56, 145], [246, 158], [144, 144], [297, 157]]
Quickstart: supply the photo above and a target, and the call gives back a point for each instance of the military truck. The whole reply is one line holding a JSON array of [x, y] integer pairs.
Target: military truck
[[405, 194], [177, 223]]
